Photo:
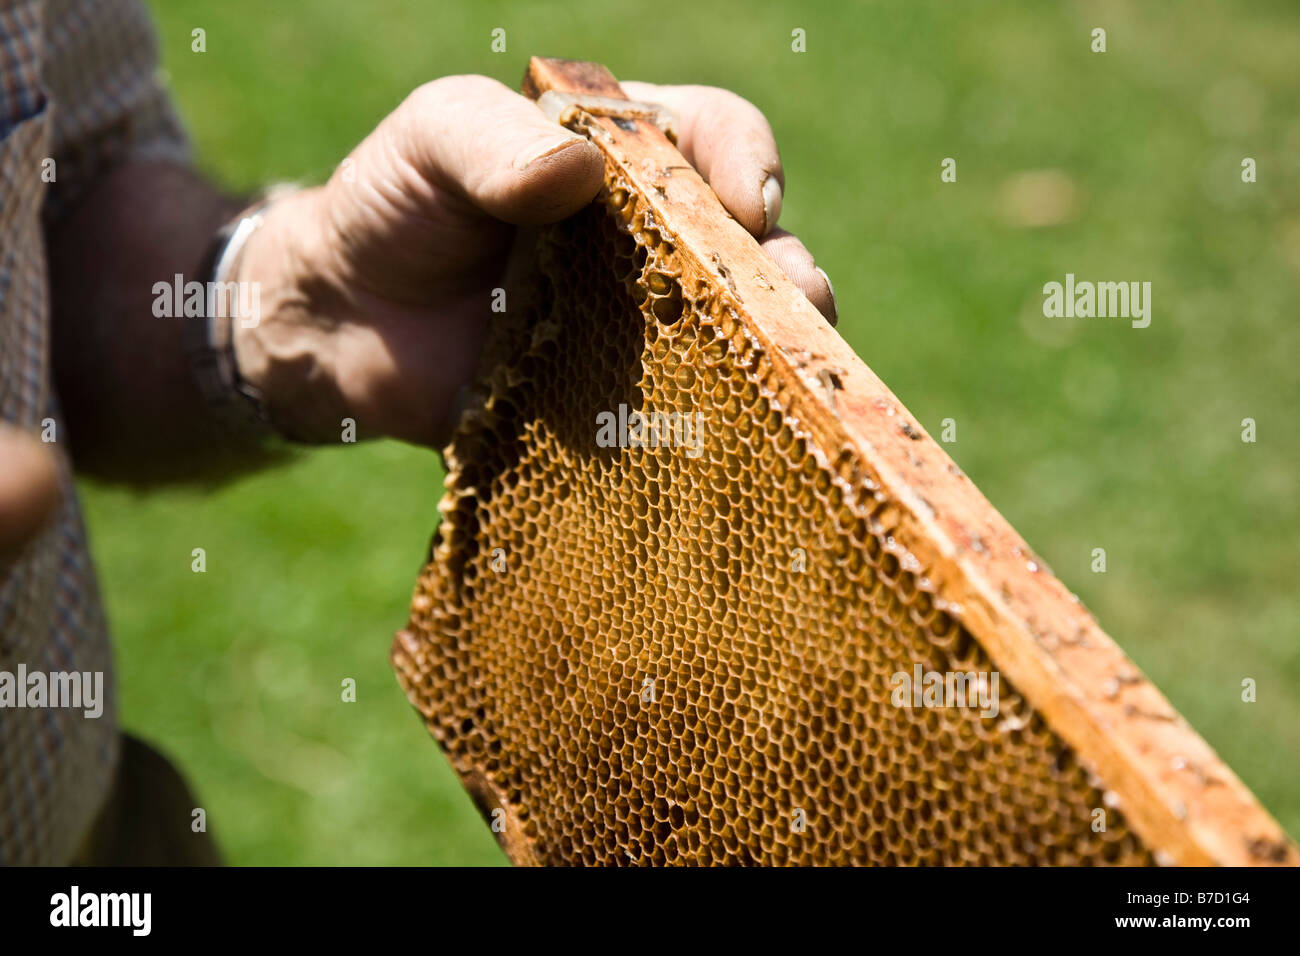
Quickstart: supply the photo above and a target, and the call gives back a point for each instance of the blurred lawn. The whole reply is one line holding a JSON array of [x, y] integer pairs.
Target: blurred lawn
[[1085, 434]]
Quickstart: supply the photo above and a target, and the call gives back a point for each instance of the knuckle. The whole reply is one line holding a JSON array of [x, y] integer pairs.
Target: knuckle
[[436, 94], [728, 102]]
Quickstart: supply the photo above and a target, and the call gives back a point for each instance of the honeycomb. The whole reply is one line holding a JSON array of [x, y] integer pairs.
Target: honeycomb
[[675, 641]]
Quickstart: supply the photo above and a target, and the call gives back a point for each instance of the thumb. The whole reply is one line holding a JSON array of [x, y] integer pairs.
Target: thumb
[[474, 136], [29, 491]]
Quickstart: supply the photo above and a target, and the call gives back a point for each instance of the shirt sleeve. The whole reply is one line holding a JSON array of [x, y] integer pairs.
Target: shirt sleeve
[[108, 102]]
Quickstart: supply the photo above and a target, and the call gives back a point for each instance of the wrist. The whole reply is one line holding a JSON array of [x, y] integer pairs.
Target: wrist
[[208, 335], [278, 351]]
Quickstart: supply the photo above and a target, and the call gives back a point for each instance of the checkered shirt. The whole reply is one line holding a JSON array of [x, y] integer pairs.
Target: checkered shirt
[[78, 87]]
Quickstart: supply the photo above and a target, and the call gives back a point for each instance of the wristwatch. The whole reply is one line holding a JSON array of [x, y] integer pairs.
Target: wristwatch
[[209, 337]]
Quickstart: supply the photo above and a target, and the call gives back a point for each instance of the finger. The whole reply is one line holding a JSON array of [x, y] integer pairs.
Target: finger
[[29, 490], [475, 136], [797, 263], [729, 141]]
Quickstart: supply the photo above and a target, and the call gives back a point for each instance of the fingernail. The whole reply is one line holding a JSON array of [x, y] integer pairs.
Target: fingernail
[[534, 153], [771, 203], [834, 317]]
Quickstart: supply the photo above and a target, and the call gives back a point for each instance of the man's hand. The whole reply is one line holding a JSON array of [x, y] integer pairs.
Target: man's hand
[[374, 286]]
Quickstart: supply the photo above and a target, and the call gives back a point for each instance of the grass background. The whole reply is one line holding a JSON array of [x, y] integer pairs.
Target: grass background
[[1085, 434]]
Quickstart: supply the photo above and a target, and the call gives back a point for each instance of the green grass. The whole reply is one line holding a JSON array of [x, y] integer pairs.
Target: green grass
[[1086, 434]]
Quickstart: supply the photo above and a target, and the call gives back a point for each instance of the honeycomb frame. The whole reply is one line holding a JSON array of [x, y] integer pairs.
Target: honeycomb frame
[[634, 654]]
